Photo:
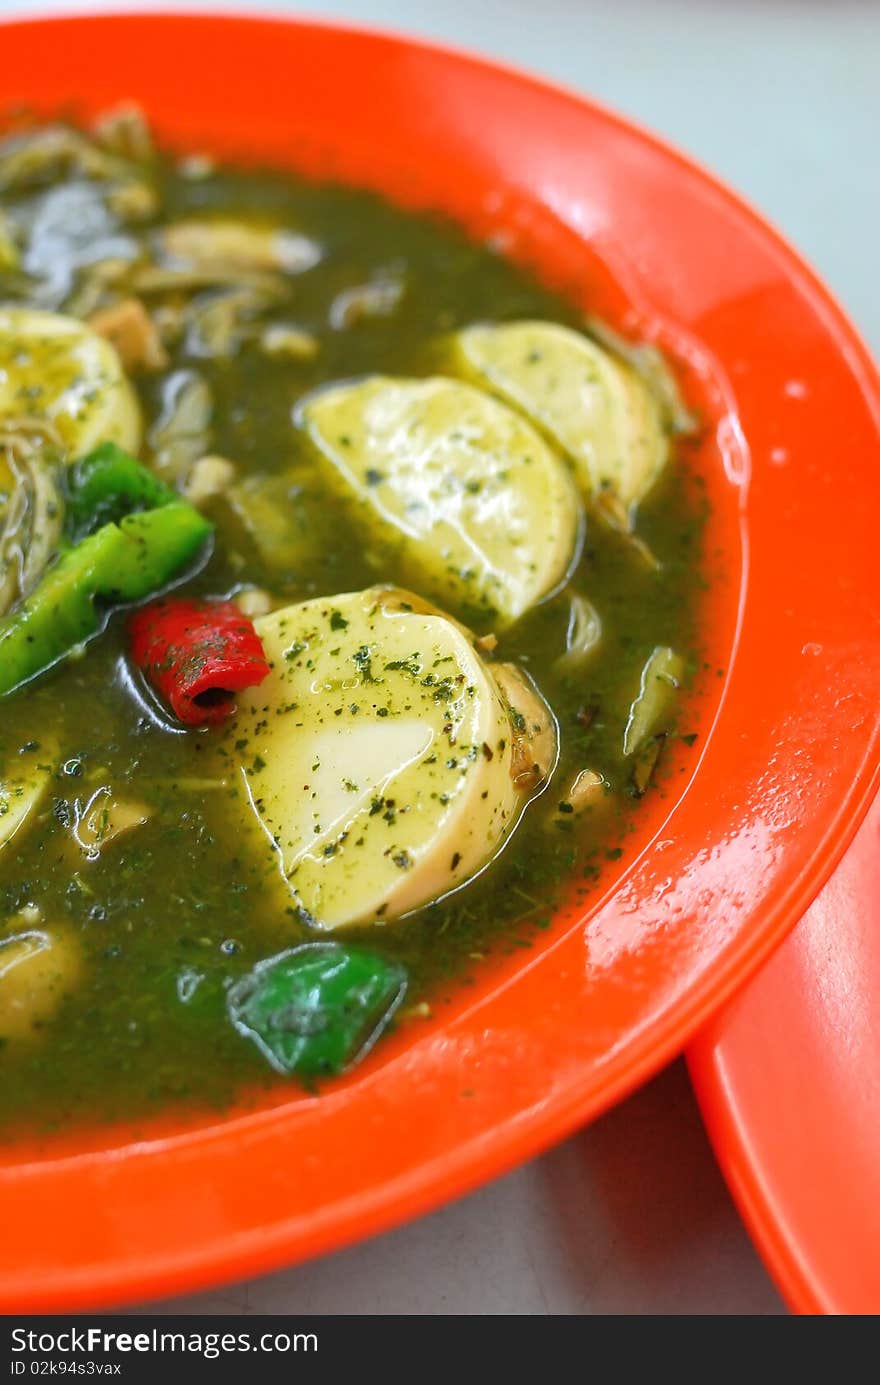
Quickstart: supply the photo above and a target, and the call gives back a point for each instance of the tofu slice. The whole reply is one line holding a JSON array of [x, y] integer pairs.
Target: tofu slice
[[38, 967], [22, 791], [594, 406], [378, 758], [458, 493], [55, 369]]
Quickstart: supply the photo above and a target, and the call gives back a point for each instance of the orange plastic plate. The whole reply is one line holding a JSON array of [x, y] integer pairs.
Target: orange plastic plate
[[788, 1078], [758, 811]]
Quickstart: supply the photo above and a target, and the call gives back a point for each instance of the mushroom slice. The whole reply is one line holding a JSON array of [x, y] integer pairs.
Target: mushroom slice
[[39, 157], [534, 731], [240, 244], [458, 492], [151, 280], [653, 709], [380, 297], [219, 322], [582, 637], [31, 504], [125, 131], [182, 432]]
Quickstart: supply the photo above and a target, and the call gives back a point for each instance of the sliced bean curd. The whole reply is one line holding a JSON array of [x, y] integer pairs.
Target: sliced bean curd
[[593, 405], [38, 967], [23, 788], [461, 494], [380, 760], [69, 377]]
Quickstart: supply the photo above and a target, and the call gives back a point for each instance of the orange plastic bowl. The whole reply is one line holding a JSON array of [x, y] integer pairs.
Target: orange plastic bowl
[[762, 807]]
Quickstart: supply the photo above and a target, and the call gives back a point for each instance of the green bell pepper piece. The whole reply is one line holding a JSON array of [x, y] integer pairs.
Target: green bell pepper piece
[[60, 613], [159, 544], [107, 485], [317, 1008], [120, 563]]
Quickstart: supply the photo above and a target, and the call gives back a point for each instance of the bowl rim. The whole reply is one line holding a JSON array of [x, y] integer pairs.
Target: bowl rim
[[521, 1137]]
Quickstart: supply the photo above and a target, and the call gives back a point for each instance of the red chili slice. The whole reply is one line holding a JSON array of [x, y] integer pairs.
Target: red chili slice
[[197, 655]]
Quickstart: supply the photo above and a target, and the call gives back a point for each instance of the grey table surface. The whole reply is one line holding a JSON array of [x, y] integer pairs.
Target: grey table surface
[[782, 99]]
